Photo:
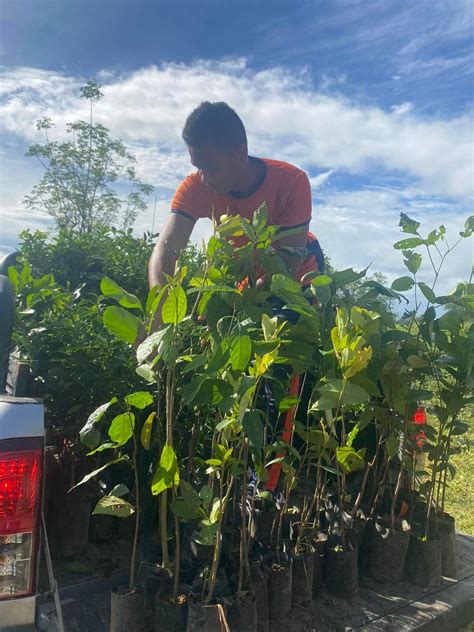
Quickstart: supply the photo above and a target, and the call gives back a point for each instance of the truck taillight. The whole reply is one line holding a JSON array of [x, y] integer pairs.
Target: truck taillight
[[20, 499], [419, 416]]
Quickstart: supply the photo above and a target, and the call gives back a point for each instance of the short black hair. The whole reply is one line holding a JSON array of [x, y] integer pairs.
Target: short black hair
[[214, 123]]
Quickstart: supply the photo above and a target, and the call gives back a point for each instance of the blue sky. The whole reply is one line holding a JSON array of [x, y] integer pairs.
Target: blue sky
[[373, 99]]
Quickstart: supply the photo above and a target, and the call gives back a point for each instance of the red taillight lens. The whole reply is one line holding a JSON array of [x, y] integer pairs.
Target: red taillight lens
[[20, 477], [420, 416]]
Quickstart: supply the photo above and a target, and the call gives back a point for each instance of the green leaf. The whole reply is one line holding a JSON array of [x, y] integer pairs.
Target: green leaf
[[175, 306], [427, 292], [260, 218], [125, 299], [417, 362], [150, 343], [121, 428], [146, 372], [402, 284], [113, 506], [145, 435], [167, 473], [331, 394], [419, 395], [468, 227], [119, 490], [240, 352], [269, 326], [405, 244], [88, 477], [253, 428], [408, 225], [392, 444], [286, 403], [139, 399], [89, 435], [281, 282], [121, 323], [187, 507], [412, 261], [348, 276], [349, 459]]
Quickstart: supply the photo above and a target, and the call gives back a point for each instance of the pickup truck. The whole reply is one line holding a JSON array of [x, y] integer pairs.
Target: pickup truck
[[21, 482]]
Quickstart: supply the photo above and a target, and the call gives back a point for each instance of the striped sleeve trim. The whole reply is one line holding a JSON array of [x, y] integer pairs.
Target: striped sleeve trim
[[176, 211], [283, 228]]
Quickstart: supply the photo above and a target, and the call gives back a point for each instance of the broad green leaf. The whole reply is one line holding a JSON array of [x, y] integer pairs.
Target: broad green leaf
[[427, 292], [89, 435], [417, 362], [125, 299], [88, 477], [346, 277], [145, 435], [419, 395], [167, 473], [150, 343], [281, 282], [286, 403], [402, 284], [240, 351], [412, 260], [349, 459], [405, 244], [139, 399], [175, 306], [146, 372], [269, 326], [121, 428], [408, 225], [113, 506], [187, 507], [121, 323], [252, 425]]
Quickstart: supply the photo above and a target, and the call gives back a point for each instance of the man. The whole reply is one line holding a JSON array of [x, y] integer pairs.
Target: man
[[229, 181]]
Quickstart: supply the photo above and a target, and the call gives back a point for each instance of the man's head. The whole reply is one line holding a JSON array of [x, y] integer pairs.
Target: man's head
[[217, 145]]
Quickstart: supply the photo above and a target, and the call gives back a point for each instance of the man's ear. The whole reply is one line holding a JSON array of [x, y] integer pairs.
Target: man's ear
[[241, 153]]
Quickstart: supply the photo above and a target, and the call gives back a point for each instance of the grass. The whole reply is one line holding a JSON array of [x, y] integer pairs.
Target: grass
[[460, 493]]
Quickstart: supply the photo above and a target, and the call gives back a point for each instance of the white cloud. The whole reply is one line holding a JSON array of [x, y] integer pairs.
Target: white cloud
[[328, 135], [284, 118]]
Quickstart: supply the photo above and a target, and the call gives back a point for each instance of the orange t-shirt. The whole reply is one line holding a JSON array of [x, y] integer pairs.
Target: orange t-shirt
[[285, 188]]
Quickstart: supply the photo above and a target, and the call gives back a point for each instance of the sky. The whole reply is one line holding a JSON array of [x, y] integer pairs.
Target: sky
[[373, 99]]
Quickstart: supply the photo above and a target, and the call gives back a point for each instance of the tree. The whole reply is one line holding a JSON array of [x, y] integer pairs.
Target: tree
[[76, 186]]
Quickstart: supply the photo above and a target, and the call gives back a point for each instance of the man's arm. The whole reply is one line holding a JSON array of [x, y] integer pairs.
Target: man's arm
[[173, 238]]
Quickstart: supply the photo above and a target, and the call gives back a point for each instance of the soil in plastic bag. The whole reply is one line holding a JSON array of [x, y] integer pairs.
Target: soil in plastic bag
[[318, 564], [387, 554], [242, 614], [365, 546], [171, 617], [202, 618], [423, 562], [259, 586], [342, 576], [303, 571], [445, 531], [127, 611], [280, 583]]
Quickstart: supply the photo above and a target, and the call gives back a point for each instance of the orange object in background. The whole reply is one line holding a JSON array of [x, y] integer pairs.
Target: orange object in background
[[274, 470]]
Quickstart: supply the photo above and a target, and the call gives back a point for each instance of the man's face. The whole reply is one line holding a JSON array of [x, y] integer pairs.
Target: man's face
[[219, 169]]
